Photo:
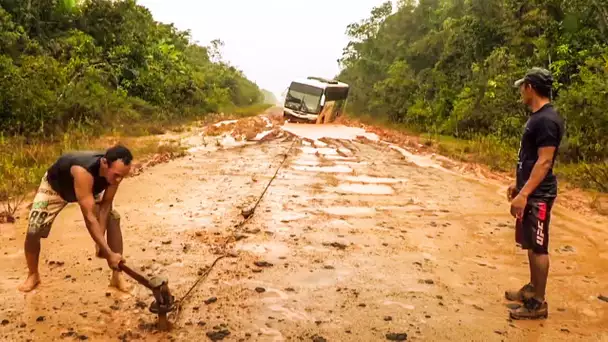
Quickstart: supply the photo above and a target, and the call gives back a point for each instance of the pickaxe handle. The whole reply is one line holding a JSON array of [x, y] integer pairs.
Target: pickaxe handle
[[135, 275]]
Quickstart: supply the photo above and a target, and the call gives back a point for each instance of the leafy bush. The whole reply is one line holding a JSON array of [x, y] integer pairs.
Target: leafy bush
[[591, 176], [105, 64], [448, 67]]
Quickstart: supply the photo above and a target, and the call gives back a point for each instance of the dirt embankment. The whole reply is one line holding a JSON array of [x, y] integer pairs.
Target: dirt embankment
[[357, 239]]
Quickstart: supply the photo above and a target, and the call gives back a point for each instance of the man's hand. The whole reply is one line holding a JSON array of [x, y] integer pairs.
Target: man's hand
[[114, 260], [518, 205], [511, 192]]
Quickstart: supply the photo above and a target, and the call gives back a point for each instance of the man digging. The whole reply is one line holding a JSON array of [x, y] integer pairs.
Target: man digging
[[91, 179], [536, 189]]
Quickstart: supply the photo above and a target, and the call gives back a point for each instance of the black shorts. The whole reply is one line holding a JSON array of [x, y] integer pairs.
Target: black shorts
[[532, 231]]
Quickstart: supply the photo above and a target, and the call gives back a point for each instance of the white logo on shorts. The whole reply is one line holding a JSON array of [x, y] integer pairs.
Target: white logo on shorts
[[540, 233]]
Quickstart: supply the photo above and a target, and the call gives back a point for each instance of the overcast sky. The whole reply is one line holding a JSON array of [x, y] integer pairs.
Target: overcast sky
[[271, 41]]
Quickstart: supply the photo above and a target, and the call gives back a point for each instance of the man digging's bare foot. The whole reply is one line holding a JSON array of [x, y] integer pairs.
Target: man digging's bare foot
[[118, 282], [32, 282]]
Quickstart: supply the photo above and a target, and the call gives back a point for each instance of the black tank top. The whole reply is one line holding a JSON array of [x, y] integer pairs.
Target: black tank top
[[61, 180]]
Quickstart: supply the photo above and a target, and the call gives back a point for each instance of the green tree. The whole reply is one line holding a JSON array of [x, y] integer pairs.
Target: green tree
[[447, 66], [100, 63]]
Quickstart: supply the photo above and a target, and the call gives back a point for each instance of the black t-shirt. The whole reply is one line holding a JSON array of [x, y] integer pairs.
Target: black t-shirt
[[60, 177], [544, 128]]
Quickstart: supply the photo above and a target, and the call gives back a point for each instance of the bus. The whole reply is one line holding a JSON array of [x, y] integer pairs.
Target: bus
[[315, 100]]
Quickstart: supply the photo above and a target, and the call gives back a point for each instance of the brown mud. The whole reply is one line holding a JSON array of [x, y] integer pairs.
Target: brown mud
[[355, 240]]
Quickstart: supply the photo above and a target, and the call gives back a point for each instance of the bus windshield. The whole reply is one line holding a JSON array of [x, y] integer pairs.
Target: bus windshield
[[303, 98]]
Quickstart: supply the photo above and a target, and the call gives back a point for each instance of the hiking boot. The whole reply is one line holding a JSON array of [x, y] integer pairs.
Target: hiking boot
[[526, 292], [532, 309]]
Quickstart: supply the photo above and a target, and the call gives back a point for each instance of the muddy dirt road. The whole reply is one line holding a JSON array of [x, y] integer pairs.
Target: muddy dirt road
[[360, 238]]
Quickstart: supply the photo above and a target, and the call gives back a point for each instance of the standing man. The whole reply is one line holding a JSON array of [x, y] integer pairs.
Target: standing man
[[80, 177], [536, 189]]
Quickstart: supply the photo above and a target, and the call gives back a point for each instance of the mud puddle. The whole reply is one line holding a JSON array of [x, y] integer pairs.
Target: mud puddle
[[316, 132], [373, 180], [349, 211], [364, 189], [325, 169]]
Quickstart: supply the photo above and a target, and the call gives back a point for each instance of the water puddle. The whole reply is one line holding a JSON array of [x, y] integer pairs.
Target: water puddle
[[321, 278], [404, 306], [374, 180], [279, 294], [589, 313], [270, 249], [407, 208], [193, 141], [341, 158], [290, 314], [314, 249], [327, 169], [196, 149], [227, 122], [17, 255], [345, 150], [304, 162], [365, 189], [358, 163], [340, 224], [262, 135], [230, 141], [320, 150], [332, 131], [307, 157], [276, 335], [428, 256], [419, 160], [350, 211], [289, 217]]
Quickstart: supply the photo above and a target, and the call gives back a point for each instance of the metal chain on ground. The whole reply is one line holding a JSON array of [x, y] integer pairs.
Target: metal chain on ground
[[179, 302]]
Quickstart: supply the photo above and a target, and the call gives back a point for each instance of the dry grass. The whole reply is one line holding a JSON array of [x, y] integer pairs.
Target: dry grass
[[599, 203], [23, 162]]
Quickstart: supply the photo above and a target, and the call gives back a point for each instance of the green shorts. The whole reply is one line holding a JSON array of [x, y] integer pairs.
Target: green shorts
[[45, 208]]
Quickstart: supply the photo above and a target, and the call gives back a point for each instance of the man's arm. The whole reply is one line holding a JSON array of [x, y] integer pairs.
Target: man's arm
[[105, 207], [540, 170], [83, 183]]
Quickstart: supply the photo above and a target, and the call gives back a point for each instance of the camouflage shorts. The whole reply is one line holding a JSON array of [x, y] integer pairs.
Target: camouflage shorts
[[45, 208]]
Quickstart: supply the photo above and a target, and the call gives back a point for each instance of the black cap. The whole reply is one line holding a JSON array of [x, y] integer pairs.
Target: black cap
[[538, 78]]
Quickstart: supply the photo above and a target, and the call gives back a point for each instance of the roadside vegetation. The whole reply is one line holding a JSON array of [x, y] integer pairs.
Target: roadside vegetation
[[85, 74], [446, 69]]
